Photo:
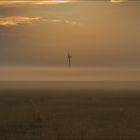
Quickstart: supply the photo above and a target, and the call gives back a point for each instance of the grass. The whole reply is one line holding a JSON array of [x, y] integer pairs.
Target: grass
[[69, 115]]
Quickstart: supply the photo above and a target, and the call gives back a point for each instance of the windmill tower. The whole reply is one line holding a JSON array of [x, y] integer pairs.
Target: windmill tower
[[69, 59]]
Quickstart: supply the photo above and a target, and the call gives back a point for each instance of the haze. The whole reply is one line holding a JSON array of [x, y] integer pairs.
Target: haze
[[97, 34]]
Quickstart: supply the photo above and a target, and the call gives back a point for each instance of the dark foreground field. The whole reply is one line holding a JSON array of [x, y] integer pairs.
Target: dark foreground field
[[69, 115]]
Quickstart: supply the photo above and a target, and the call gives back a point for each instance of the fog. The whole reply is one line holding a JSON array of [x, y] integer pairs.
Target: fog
[[69, 74]]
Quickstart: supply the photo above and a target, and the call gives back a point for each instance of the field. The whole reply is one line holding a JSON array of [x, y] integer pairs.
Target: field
[[43, 114]]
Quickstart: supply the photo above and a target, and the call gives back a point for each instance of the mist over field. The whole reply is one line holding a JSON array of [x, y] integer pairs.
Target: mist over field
[[69, 74], [66, 78]]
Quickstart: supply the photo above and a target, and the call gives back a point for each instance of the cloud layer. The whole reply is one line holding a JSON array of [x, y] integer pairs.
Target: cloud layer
[[72, 22], [45, 2], [17, 20], [12, 21]]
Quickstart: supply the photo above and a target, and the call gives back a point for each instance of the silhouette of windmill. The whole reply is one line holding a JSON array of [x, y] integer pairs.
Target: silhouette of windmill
[[69, 58]]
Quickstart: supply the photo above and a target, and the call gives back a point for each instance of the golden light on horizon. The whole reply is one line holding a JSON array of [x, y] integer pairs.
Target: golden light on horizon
[[37, 2], [118, 1]]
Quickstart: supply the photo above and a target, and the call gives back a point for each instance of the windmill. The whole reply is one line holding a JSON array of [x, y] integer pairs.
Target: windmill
[[69, 59]]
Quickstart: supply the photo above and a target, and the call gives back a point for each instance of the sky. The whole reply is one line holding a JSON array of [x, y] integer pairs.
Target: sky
[[97, 33]]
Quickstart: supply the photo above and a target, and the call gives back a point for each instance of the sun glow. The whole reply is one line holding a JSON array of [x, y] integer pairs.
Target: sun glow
[[118, 1], [37, 2]]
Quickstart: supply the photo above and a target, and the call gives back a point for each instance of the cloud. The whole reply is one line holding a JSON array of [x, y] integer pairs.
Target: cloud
[[118, 1], [72, 22], [13, 21], [55, 20], [17, 20], [36, 2]]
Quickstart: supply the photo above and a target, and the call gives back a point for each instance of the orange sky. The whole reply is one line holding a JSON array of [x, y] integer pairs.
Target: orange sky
[[96, 34]]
